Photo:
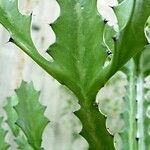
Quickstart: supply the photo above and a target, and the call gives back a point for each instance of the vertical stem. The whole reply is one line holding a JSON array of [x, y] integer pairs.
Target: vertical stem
[[140, 111], [94, 127], [140, 105], [132, 107], [128, 135]]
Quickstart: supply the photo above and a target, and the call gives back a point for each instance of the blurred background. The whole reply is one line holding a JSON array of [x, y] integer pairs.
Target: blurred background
[[15, 66]]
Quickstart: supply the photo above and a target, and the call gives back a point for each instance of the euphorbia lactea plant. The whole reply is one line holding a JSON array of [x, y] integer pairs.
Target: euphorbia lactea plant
[[81, 50]]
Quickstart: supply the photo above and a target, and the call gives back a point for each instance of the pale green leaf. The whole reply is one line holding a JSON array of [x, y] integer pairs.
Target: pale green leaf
[[123, 12], [131, 39], [30, 112], [3, 144], [11, 114], [22, 143], [11, 121]]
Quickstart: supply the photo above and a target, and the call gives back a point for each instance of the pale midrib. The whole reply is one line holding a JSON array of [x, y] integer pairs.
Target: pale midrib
[[80, 41]]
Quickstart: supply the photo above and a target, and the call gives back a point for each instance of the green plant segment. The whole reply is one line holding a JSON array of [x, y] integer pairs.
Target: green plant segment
[[12, 114], [25, 117], [129, 133], [30, 118], [79, 55], [143, 120], [12, 117], [135, 134], [22, 143], [94, 128], [3, 144], [132, 16]]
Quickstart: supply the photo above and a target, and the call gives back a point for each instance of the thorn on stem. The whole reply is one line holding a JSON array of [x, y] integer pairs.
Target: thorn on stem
[[11, 40], [95, 104], [31, 14], [105, 21], [109, 52], [50, 24], [137, 138], [105, 117], [112, 7], [114, 39]]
